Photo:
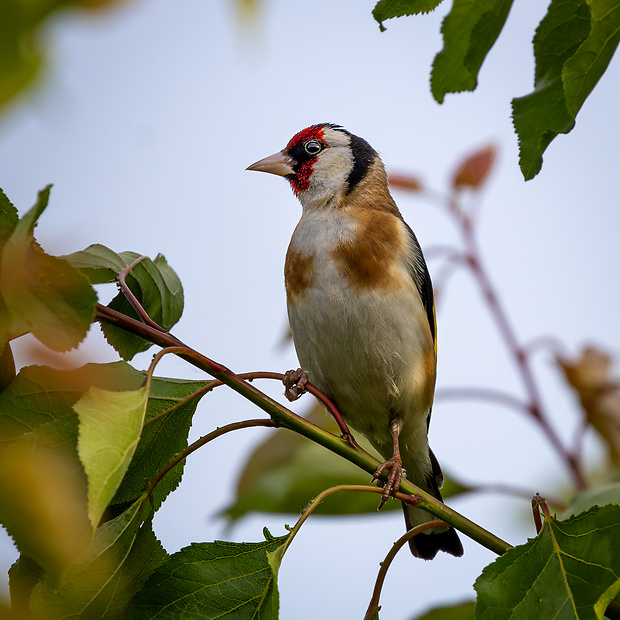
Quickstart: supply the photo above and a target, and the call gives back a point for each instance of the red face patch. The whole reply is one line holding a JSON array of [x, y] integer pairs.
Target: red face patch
[[316, 132], [304, 162]]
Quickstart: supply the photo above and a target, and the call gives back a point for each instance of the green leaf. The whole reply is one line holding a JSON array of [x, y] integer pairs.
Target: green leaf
[[146, 554], [7, 366], [8, 218], [573, 46], [100, 583], [213, 580], [386, 9], [8, 221], [469, 31], [110, 426], [462, 611], [154, 283], [597, 496], [100, 264], [24, 575], [43, 505], [43, 294], [286, 471], [43, 488], [160, 441], [39, 402], [583, 70], [570, 570]]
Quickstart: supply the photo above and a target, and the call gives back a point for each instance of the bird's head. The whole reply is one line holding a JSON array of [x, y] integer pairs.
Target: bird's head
[[322, 163]]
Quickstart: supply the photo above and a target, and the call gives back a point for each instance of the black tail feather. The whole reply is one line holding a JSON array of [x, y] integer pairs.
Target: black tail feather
[[428, 543]]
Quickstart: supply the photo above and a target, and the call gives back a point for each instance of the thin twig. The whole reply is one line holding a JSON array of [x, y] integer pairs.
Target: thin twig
[[341, 488], [312, 389], [373, 606], [483, 394], [288, 419], [517, 352], [546, 343], [132, 299], [507, 489], [197, 394], [198, 444], [536, 513]]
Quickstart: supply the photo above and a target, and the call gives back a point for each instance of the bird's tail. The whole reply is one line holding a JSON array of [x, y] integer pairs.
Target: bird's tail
[[426, 544]]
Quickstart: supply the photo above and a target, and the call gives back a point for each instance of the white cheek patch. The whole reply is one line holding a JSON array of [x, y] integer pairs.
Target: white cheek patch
[[329, 176]]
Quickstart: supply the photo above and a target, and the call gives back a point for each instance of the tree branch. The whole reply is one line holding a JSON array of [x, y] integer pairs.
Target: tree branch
[[288, 419]]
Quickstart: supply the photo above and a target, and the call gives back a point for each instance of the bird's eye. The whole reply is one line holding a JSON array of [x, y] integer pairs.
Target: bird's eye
[[313, 147]]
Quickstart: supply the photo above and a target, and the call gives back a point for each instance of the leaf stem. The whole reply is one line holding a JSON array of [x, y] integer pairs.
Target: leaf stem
[[131, 298], [314, 504]]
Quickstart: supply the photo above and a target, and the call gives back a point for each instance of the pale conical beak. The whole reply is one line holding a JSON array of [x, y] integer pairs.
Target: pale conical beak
[[278, 163]]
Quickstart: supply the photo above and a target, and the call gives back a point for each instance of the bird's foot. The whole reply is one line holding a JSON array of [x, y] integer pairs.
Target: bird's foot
[[294, 383], [395, 465]]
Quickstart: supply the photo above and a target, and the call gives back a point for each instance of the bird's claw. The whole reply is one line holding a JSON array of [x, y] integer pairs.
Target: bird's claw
[[393, 482], [294, 383]]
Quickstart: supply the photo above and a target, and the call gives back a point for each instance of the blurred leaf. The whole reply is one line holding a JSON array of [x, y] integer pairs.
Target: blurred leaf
[[8, 218], [154, 283], [24, 575], [469, 31], [21, 52], [110, 426], [7, 366], [43, 294], [214, 580], [286, 471], [405, 182], [462, 611], [8, 221], [38, 403], [386, 9], [10, 613], [573, 46], [599, 394], [248, 9], [598, 496], [43, 505], [99, 584], [473, 171], [570, 570], [160, 441]]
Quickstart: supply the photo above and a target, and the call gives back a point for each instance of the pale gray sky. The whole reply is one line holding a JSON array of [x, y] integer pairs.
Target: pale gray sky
[[145, 124]]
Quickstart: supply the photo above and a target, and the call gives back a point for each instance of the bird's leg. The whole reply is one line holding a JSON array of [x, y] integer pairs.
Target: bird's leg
[[394, 464], [295, 383]]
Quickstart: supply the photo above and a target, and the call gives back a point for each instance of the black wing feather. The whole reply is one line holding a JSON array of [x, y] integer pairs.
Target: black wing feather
[[422, 279]]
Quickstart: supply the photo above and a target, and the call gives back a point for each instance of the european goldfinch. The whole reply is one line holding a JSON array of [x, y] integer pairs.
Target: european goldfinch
[[360, 307]]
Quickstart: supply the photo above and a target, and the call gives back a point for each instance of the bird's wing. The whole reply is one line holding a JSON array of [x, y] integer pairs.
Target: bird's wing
[[422, 279]]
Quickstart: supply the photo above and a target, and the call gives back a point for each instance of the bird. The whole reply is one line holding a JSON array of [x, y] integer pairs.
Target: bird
[[361, 310]]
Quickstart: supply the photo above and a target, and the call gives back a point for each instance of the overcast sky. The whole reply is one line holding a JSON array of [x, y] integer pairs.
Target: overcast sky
[[145, 122]]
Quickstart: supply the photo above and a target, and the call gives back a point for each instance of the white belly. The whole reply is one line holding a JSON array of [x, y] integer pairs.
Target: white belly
[[369, 350]]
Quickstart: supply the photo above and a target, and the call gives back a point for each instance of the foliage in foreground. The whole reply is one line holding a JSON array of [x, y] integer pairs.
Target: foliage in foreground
[[88, 456]]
